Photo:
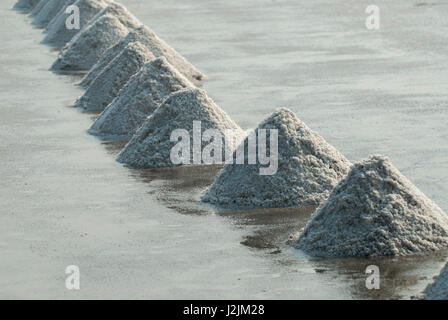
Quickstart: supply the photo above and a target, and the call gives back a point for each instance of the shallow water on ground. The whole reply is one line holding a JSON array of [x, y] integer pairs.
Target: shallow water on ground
[[141, 233]]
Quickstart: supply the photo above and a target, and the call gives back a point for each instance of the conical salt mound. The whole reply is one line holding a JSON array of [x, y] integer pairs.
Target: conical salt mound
[[58, 34], [157, 46], [25, 5], [375, 211], [109, 82], [438, 290], [82, 53], [308, 168], [49, 11], [189, 111], [138, 99], [38, 7]]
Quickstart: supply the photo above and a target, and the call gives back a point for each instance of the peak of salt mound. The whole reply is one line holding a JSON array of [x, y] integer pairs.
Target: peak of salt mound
[[151, 146], [38, 7], [157, 46], [25, 5], [82, 53], [308, 168], [49, 11], [138, 99], [375, 211], [117, 73], [438, 290], [57, 32]]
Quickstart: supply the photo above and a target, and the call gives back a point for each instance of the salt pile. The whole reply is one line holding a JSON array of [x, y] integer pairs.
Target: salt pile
[[49, 11], [151, 146], [58, 34], [38, 7], [438, 290], [109, 82], [308, 169], [375, 211], [138, 99], [157, 46], [106, 29], [25, 5]]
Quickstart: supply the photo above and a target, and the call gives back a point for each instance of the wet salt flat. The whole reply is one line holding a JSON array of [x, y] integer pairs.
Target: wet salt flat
[[141, 233]]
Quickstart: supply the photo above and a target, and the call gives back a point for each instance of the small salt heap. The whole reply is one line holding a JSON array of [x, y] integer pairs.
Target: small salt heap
[[438, 290], [25, 5], [109, 82], [38, 7], [308, 169], [138, 99], [49, 11], [375, 211], [157, 46], [107, 28], [58, 34], [151, 145]]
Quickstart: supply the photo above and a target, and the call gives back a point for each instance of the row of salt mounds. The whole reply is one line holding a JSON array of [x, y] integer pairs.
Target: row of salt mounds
[[375, 211], [106, 29], [25, 5], [308, 169], [438, 290], [138, 99], [151, 146], [117, 73], [38, 7], [157, 46], [58, 34], [49, 11]]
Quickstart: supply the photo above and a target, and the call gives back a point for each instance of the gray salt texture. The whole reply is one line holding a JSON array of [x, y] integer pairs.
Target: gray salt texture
[[49, 11], [157, 46], [57, 32], [138, 99], [151, 146], [438, 290], [308, 169], [38, 7], [83, 52], [375, 211], [109, 82], [25, 5]]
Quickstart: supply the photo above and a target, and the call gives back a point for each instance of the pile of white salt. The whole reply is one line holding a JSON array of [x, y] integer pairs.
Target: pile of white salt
[[156, 45], [25, 5], [57, 32], [151, 145], [116, 74], [49, 11], [138, 99], [375, 211], [38, 7], [438, 290], [308, 169]]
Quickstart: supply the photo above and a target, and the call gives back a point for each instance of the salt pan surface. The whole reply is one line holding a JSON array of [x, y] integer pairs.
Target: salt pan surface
[[438, 290]]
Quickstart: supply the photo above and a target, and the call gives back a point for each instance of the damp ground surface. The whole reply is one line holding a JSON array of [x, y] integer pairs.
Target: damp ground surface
[[141, 233]]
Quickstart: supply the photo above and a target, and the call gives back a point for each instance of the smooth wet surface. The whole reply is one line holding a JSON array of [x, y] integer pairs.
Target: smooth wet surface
[[142, 233]]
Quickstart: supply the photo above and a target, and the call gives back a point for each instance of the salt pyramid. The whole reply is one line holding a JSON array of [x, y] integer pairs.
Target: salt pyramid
[[57, 32], [104, 30], [375, 211], [308, 168], [438, 290], [138, 99], [38, 7], [151, 146], [49, 11], [80, 54], [157, 46], [25, 5], [117, 73]]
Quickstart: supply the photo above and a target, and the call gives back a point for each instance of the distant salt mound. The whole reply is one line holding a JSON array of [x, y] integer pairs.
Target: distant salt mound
[[82, 53], [49, 11], [38, 7], [117, 73], [308, 168], [25, 5], [157, 46], [138, 99], [151, 146], [375, 211], [100, 33], [57, 32], [438, 290]]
